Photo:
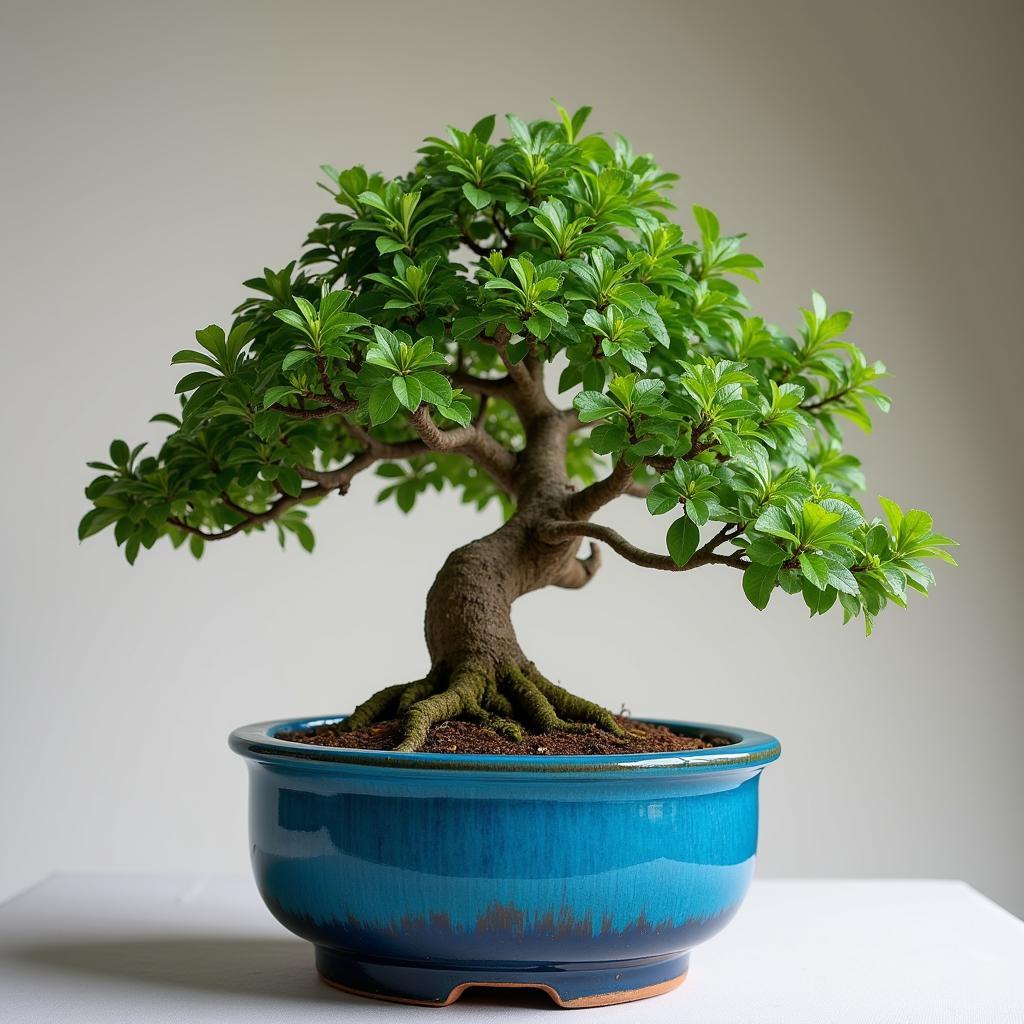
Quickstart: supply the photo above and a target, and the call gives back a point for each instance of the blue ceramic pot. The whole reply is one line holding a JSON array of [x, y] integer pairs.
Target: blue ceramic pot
[[418, 875]]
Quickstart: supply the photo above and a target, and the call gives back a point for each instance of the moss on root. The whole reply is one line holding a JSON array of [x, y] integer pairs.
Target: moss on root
[[508, 700]]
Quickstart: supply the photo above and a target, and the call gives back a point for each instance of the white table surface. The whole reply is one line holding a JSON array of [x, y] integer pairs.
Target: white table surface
[[142, 949]]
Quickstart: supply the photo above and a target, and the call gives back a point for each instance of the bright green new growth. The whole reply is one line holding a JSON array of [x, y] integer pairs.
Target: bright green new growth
[[412, 336]]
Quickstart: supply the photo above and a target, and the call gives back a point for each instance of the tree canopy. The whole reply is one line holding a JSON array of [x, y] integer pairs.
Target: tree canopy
[[396, 342]]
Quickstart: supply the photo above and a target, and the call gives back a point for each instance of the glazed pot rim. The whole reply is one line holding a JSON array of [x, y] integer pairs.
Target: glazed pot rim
[[747, 749]]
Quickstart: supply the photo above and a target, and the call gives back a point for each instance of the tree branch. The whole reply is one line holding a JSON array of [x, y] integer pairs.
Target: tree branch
[[528, 395], [339, 479], [594, 497], [481, 413], [333, 409], [473, 442], [255, 518], [518, 372], [481, 251], [332, 404], [572, 420], [580, 571], [819, 403], [660, 463], [665, 463], [555, 532], [386, 449]]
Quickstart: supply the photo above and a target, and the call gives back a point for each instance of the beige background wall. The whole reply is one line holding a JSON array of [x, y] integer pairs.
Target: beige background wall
[[157, 154]]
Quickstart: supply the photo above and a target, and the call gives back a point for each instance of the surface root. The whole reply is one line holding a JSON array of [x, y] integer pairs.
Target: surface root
[[506, 701]]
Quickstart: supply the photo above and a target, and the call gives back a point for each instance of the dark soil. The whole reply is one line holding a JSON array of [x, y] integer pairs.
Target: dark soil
[[459, 737]]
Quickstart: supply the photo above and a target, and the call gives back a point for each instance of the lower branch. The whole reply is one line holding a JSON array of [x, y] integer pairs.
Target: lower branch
[[282, 504], [339, 479], [326, 481], [580, 570], [555, 532]]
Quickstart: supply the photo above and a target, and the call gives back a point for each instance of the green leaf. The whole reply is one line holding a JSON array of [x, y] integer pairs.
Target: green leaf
[[697, 510], [383, 403], [814, 568], [663, 498], [212, 339], [593, 405], [818, 601], [554, 311], [296, 358], [408, 391], [839, 576], [307, 309], [484, 128], [817, 523], [916, 526], [290, 317], [539, 326], [477, 196], [519, 128], [437, 389], [775, 521], [876, 540], [460, 412], [709, 227], [275, 394], [94, 520], [265, 423], [190, 355], [765, 552], [758, 583], [608, 437], [290, 481], [119, 453], [682, 539], [305, 535], [192, 380], [131, 549], [892, 512]]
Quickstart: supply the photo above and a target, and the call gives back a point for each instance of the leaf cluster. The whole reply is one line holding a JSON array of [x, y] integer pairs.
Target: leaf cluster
[[413, 297]]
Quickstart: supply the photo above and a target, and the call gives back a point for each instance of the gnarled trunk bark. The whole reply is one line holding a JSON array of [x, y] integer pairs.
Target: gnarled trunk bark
[[478, 669], [469, 605], [468, 614]]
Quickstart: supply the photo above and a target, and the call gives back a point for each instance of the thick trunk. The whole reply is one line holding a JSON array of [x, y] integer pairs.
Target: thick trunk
[[468, 614], [478, 669], [469, 606]]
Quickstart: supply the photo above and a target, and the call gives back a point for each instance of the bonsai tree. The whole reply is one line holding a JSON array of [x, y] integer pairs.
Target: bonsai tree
[[520, 320]]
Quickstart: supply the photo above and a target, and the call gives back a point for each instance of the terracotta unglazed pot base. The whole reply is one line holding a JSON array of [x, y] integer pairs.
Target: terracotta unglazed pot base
[[570, 989], [608, 999]]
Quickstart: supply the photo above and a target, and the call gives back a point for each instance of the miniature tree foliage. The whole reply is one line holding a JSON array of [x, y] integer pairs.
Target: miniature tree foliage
[[521, 320]]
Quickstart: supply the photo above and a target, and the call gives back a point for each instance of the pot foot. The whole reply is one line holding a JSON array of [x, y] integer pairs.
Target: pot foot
[[571, 986]]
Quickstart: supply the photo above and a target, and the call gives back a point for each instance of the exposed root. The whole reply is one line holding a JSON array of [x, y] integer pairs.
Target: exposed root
[[496, 701], [536, 706], [503, 726], [383, 704], [568, 705], [507, 700], [415, 692]]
